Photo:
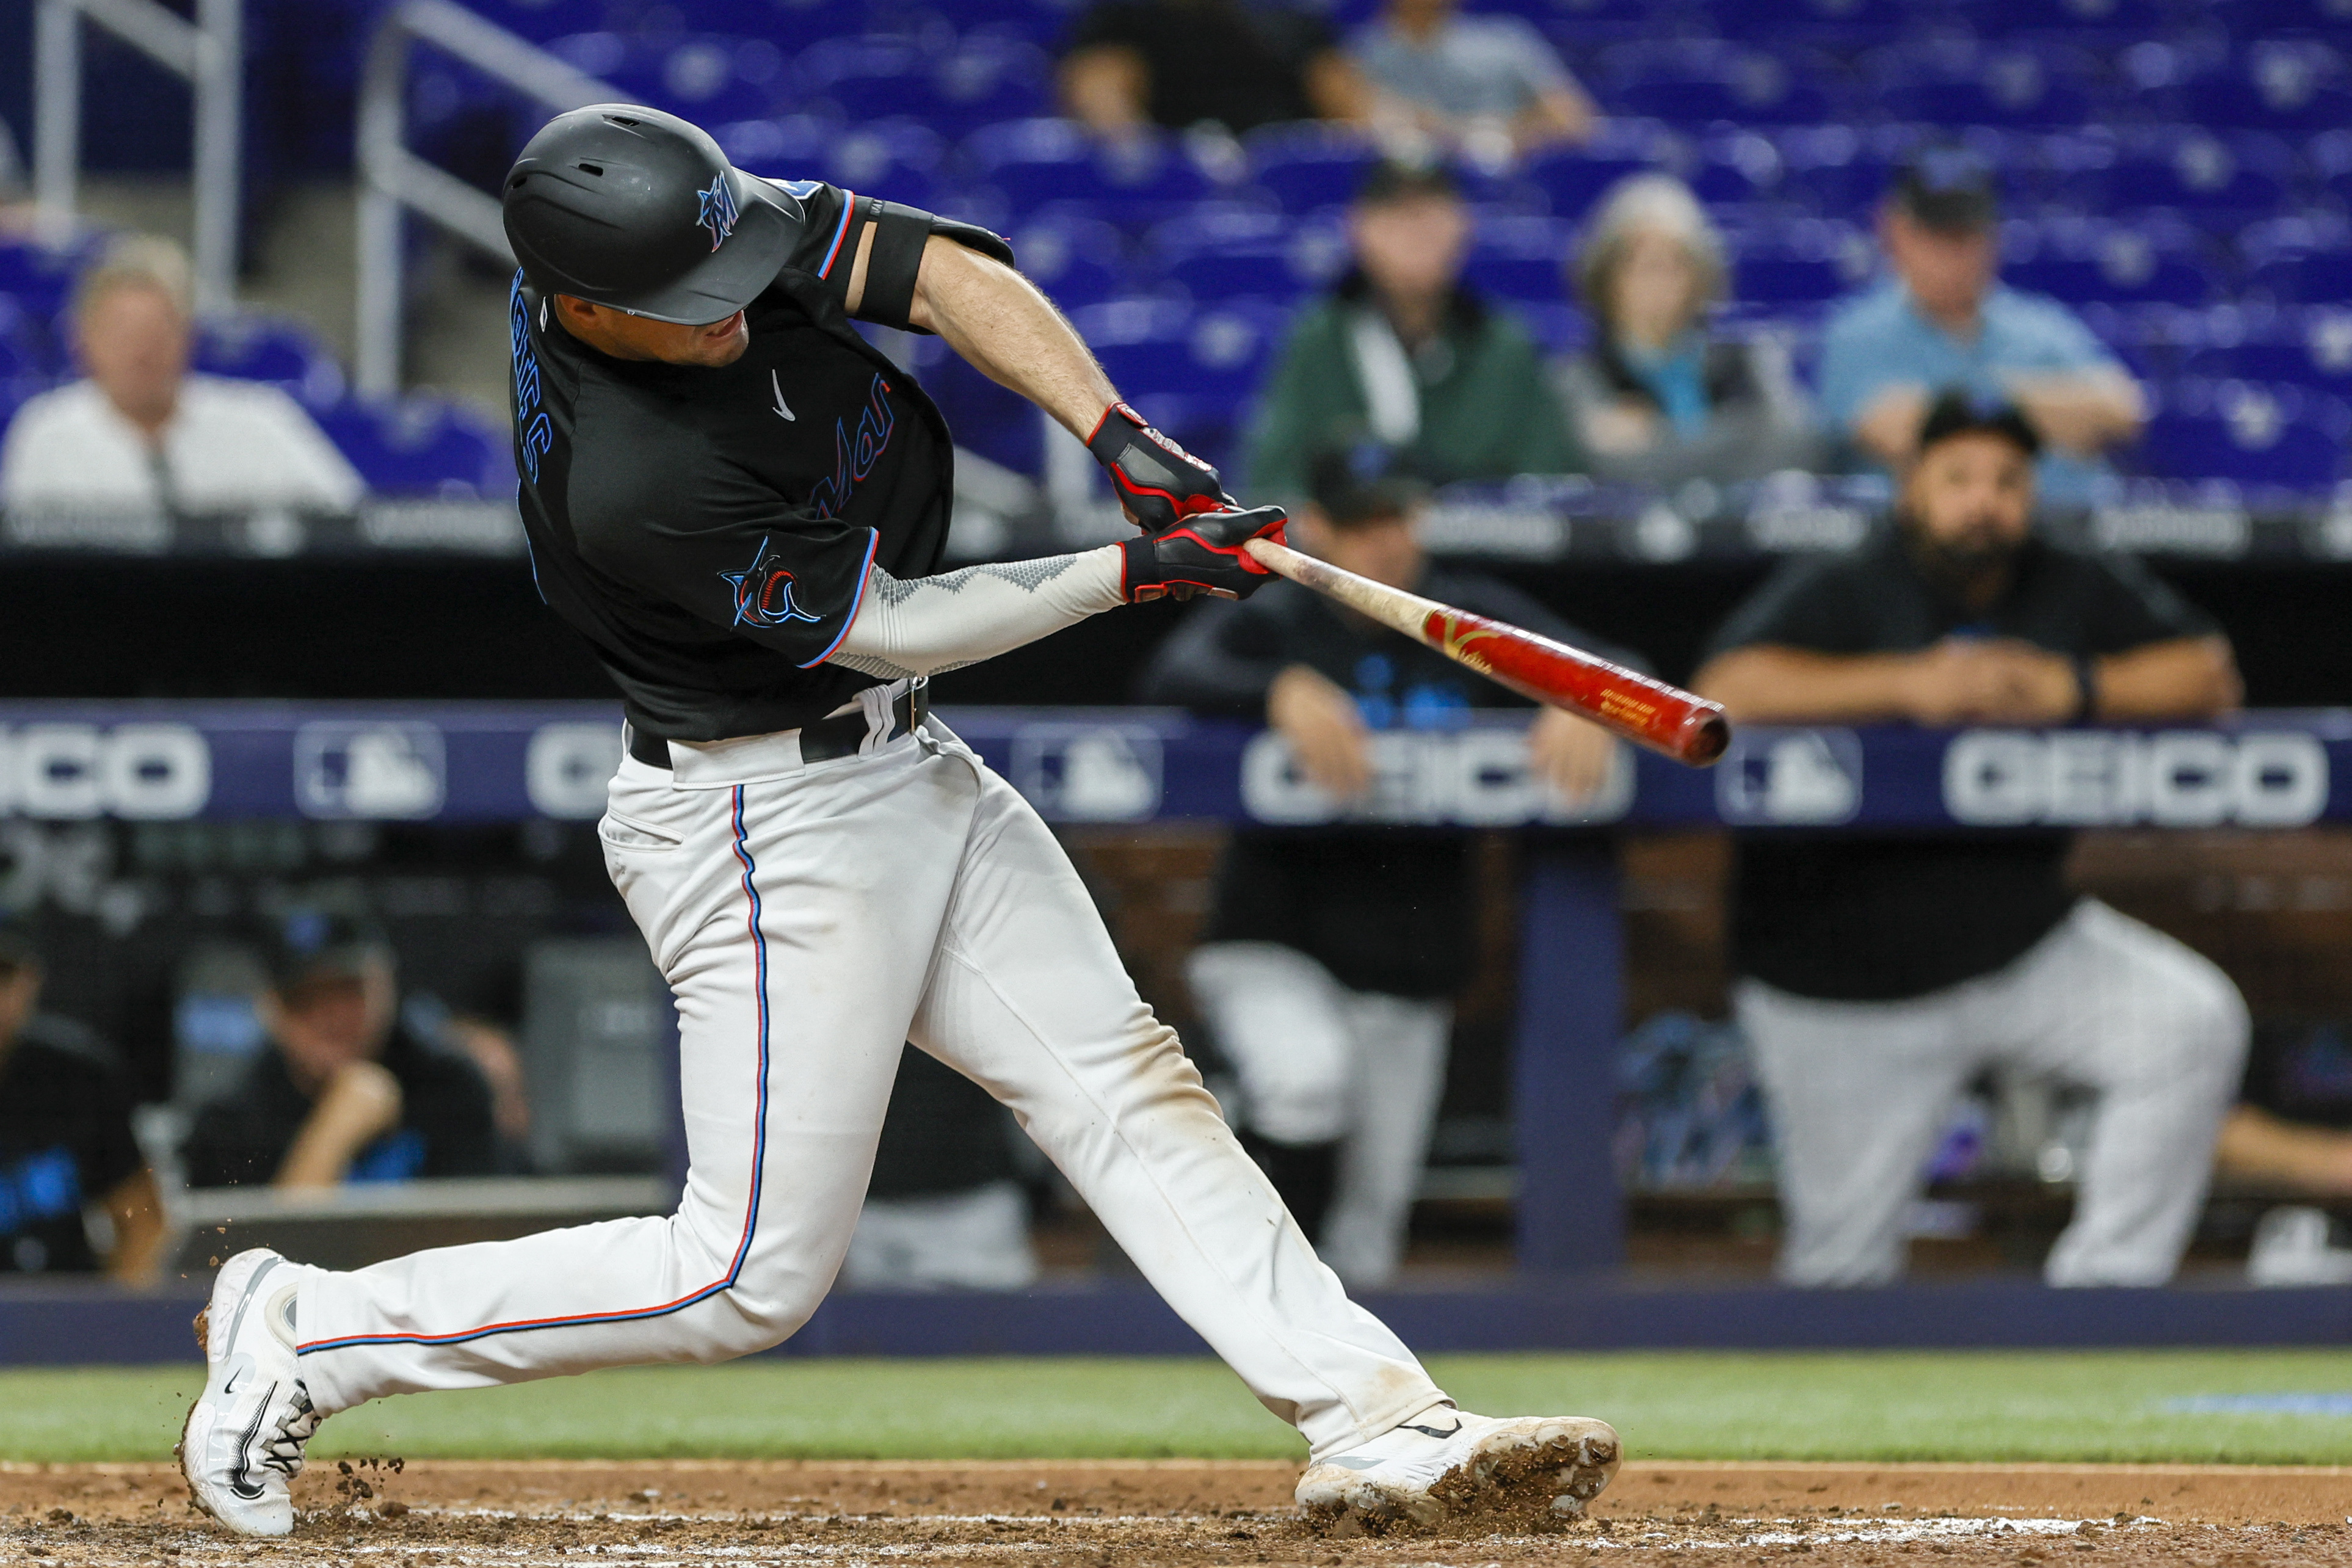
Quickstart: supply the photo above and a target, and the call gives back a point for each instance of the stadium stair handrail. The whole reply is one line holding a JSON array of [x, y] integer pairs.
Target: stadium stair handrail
[[209, 52], [393, 179]]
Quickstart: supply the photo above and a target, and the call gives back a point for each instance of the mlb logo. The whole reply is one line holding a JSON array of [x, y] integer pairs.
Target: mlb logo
[[375, 772], [1789, 778], [1090, 773]]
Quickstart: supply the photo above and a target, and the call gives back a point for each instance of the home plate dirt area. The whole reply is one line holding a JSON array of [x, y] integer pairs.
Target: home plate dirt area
[[1047, 1514]]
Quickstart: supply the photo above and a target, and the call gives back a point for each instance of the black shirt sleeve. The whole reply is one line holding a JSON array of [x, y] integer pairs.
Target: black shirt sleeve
[[238, 1139], [673, 513], [837, 223], [2130, 607], [445, 1098], [1805, 603]]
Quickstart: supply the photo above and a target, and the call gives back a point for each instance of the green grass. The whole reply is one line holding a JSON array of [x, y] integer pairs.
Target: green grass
[[1870, 1407]]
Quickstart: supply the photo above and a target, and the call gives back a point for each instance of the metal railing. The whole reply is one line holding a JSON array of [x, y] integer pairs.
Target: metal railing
[[395, 181], [209, 53]]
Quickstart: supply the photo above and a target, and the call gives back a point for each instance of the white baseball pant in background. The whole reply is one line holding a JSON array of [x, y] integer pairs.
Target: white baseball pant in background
[[1319, 1062], [1860, 1092], [811, 920]]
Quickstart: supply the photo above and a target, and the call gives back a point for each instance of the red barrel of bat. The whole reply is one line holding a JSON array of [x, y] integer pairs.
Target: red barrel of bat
[[1663, 718]]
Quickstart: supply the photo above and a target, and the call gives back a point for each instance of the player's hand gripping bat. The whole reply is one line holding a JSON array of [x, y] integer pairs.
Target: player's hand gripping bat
[[1663, 718]]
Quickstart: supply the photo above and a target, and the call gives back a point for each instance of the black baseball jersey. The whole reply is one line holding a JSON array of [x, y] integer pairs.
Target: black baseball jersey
[[1869, 919], [65, 1143], [710, 530]]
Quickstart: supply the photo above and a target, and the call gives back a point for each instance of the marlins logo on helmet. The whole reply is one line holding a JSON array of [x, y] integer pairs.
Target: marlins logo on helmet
[[718, 210]]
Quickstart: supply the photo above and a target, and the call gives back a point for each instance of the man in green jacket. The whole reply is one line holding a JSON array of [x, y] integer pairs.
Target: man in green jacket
[[1403, 355]]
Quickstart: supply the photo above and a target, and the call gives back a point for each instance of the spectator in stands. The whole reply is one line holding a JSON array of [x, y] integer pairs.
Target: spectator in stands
[[65, 1143], [1240, 64], [1333, 955], [140, 434], [943, 1209], [1944, 319], [1881, 973], [1401, 354], [1656, 400], [1487, 89], [348, 1091]]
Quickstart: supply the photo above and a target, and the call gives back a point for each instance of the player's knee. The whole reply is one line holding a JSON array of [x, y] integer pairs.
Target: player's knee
[[2195, 1029], [756, 1318]]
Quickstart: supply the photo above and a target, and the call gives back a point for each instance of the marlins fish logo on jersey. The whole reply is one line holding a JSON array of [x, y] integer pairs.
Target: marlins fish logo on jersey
[[718, 209], [764, 594]]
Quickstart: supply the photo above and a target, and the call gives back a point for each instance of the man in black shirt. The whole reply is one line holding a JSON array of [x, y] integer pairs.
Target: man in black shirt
[[1332, 955], [66, 1141], [345, 1090], [1881, 973], [740, 502], [1239, 63]]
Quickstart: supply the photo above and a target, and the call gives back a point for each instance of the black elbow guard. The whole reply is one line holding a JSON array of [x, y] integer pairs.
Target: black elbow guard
[[896, 258]]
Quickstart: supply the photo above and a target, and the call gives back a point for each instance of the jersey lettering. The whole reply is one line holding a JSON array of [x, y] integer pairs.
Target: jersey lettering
[[764, 594], [853, 457], [533, 433]]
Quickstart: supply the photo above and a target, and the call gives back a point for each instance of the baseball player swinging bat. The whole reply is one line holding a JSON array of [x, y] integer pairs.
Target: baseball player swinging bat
[[1663, 718]]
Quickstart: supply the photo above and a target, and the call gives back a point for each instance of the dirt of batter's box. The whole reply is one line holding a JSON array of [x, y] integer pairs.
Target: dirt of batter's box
[[1177, 1514]]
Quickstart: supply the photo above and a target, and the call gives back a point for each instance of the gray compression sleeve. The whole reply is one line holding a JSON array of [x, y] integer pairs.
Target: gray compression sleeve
[[922, 625]]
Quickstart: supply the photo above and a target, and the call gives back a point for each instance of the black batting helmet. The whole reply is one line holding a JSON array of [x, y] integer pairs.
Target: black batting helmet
[[630, 207]]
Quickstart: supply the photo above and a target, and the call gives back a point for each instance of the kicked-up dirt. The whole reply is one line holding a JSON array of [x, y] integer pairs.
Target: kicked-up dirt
[[1174, 1514]]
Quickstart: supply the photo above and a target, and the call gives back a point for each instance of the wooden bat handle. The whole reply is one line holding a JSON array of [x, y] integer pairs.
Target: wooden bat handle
[[1663, 718]]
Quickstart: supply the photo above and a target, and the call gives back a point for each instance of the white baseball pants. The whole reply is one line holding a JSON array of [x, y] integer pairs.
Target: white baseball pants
[[1860, 1091], [1319, 1063], [811, 919]]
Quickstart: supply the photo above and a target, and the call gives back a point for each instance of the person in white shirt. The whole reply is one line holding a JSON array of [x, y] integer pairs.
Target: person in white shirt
[[139, 434]]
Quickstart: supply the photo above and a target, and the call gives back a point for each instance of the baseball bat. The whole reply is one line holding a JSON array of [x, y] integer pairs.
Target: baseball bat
[[1663, 718]]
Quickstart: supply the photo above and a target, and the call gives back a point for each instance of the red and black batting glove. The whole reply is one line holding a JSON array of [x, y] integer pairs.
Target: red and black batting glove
[[1159, 482], [1202, 555]]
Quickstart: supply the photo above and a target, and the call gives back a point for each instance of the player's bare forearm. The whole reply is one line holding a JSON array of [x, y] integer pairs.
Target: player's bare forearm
[[2257, 1147], [1785, 685], [2183, 678], [137, 1211], [1009, 331], [2082, 413]]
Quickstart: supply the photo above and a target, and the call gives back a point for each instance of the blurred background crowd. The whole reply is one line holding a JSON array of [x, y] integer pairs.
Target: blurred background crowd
[[1995, 281]]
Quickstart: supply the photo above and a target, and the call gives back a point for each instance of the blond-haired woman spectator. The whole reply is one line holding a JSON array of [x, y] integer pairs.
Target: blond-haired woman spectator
[[1656, 400]]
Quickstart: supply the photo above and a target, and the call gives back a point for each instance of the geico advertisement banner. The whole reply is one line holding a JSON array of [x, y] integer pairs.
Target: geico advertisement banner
[[494, 762]]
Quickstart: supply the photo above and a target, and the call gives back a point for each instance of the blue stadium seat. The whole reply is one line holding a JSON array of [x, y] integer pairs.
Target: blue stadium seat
[[1557, 327], [897, 160], [2311, 277], [1520, 258], [987, 79], [2306, 348], [1573, 180], [785, 147], [421, 446], [1308, 167], [1038, 163], [2246, 432], [1217, 253], [28, 349], [705, 77], [2223, 181], [2119, 265], [2278, 84], [1757, 89], [1076, 260], [257, 348], [2011, 86], [1191, 372], [1810, 262], [37, 277]]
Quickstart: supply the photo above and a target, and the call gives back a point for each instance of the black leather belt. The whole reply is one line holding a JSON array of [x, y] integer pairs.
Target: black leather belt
[[839, 736]]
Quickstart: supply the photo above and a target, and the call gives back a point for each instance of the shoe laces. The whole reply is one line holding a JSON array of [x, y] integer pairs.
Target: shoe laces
[[281, 1450]]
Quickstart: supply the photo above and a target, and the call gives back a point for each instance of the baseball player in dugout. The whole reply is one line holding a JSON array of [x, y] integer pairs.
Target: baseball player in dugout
[[1880, 974], [1333, 955], [742, 505]]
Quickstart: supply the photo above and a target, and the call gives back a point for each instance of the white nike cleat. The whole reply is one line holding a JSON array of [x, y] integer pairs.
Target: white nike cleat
[[1448, 1465], [242, 1446]]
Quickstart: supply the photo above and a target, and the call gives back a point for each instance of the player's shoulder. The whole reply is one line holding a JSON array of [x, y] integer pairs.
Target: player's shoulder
[[43, 412], [1877, 310]]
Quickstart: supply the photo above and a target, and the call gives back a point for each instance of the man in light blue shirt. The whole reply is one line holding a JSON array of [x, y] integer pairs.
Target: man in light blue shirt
[[1944, 319], [1489, 87]]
